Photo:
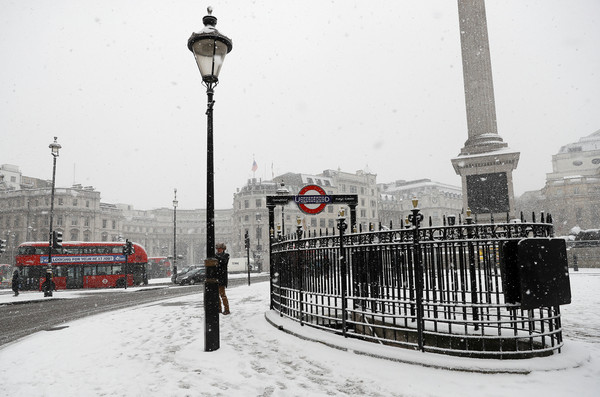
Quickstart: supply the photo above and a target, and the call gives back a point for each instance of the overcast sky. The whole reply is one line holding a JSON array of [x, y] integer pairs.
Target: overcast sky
[[310, 85]]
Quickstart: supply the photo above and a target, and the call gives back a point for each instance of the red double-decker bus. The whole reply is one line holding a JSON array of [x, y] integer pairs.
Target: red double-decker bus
[[81, 265], [158, 267]]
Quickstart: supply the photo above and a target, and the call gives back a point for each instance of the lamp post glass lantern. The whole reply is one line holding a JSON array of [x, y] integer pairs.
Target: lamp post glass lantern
[[209, 48]]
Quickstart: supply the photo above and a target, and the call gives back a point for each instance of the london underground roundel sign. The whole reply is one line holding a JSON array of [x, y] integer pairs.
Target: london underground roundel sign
[[312, 199]]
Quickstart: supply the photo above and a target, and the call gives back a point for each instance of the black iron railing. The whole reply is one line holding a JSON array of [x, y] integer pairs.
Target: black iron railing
[[436, 289]]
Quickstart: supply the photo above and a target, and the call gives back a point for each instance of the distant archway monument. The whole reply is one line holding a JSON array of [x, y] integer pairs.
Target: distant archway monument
[[485, 163]]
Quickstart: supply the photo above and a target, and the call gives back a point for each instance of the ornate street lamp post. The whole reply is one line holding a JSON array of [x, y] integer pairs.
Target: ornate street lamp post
[[54, 148], [175, 202], [209, 48], [282, 191]]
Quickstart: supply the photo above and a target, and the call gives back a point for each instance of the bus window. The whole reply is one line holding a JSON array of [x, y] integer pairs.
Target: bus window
[[89, 270], [117, 250], [116, 269], [103, 270], [71, 250], [60, 271], [26, 251]]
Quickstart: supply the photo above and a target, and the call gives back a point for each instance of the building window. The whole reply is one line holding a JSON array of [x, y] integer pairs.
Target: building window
[[60, 201], [363, 213], [313, 222], [74, 235], [579, 215], [322, 222], [87, 203], [104, 223], [258, 203], [114, 224], [74, 202], [246, 204], [59, 220], [246, 218], [86, 222], [74, 222], [353, 189]]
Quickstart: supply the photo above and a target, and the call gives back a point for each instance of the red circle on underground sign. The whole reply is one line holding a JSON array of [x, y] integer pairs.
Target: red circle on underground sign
[[312, 203]]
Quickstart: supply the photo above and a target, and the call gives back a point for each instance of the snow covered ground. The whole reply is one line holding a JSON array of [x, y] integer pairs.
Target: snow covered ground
[[157, 349]]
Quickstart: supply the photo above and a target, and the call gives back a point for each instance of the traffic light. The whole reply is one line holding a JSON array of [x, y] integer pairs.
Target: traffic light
[[57, 239], [128, 248], [2, 246], [246, 240]]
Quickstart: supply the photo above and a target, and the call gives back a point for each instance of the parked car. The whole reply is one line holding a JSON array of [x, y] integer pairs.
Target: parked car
[[182, 271], [192, 277]]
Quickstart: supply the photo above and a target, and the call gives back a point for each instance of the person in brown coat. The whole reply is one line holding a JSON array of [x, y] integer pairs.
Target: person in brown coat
[[223, 261]]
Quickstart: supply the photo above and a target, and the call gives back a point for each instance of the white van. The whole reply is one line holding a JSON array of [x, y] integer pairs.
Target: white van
[[237, 265]]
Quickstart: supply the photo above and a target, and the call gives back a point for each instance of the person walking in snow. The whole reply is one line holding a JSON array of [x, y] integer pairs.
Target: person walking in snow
[[223, 261], [48, 285], [16, 282]]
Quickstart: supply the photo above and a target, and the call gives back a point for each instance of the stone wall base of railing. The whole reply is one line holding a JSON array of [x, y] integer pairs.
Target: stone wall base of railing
[[470, 346]]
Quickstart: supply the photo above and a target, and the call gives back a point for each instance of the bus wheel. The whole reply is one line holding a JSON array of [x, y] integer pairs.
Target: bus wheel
[[120, 283]]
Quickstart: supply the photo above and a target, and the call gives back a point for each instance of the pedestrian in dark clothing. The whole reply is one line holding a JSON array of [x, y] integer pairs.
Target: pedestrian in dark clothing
[[48, 285], [16, 282], [222, 262]]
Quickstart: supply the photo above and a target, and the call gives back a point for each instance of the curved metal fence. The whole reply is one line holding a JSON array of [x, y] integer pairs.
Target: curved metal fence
[[436, 289]]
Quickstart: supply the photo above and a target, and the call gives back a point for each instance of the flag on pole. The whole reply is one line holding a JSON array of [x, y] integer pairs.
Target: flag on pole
[[254, 166]]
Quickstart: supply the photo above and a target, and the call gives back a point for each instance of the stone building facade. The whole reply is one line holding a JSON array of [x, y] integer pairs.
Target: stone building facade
[[435, 200], [572, 190]]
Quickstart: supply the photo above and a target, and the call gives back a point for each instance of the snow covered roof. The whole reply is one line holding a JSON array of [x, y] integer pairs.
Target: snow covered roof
[[585, 144]]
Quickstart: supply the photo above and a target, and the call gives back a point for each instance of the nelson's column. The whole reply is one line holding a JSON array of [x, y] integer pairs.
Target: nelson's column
[[485, 163]]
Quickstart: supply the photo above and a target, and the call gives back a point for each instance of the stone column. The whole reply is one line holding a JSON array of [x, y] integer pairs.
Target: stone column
[[485, 163]]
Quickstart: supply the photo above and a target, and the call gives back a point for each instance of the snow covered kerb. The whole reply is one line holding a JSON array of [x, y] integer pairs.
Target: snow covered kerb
[[469, 290]]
